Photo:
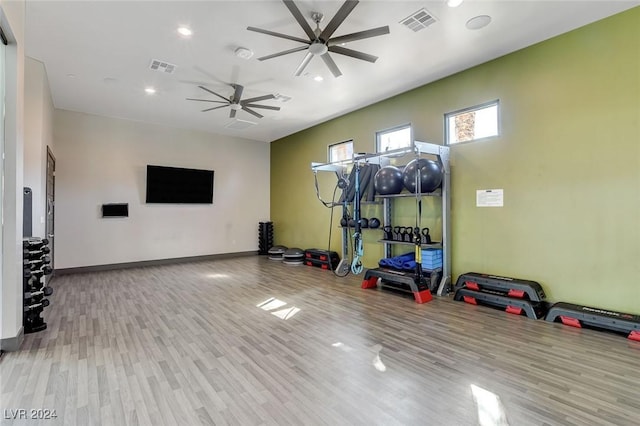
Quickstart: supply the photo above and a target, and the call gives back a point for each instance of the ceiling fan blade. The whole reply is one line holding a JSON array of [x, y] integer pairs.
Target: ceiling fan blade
[[285, 52], [358, 36], [300, 18], [339, 17], [237, 94], [303, 64], [214, 93], [218, 107], [271, 33], [353, 53], [232, 113], [274, 108], [257, 99], [205, 100], [331, 64], [252, 112]]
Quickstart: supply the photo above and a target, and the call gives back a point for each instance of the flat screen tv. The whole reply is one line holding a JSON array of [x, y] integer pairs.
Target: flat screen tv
[[179, 186]]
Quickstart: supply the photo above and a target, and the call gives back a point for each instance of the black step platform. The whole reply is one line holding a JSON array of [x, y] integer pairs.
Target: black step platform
[[324, 256], [578, 316], [531, 309], [404, 280], [510, 287]]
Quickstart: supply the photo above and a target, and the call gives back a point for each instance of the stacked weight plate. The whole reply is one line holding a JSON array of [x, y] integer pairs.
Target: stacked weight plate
[[293, 256]]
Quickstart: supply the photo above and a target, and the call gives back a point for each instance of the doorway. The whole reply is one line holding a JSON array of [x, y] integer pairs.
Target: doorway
[[50, 202]]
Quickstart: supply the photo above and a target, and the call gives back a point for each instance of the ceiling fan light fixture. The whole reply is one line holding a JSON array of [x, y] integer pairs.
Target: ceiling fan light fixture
[[243, 53], [454, 3], [236, 107], [318, 48], [318, 78]]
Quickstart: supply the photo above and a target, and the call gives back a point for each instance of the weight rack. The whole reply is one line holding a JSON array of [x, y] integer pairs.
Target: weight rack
[[35, 263]]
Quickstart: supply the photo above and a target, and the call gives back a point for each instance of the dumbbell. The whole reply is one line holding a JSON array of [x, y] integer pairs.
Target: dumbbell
[[34, 254], [37, 306], [45, 291], [35, 244]]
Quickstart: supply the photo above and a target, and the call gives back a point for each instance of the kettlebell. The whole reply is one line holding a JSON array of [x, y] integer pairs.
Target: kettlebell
[[388, 232], [364, 222], [352, 223], [374, 223], [343, 222], [426, 238]]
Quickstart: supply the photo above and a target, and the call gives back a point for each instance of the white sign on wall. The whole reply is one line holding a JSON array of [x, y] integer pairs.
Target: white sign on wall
[[489, 198]]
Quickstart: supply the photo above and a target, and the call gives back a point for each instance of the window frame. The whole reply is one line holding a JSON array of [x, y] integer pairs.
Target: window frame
[[394, 129], [331, 145], [477, 107]]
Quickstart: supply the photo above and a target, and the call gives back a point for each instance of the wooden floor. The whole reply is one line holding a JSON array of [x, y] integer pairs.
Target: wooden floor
[[187, 344]]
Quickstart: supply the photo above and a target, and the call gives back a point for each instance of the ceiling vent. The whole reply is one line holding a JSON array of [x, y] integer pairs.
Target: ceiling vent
[[166, 67], [282, 98], [419, 20], [238, 124]]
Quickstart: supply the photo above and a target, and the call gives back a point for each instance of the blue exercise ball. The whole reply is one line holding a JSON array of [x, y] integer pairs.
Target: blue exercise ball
[[430, 175], [388, 180]]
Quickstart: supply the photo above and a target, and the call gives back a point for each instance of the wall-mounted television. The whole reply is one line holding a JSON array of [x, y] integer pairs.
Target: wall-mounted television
[[178, 185]]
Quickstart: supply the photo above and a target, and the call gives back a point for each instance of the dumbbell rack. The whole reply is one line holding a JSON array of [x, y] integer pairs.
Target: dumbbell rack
[[265, 237], [36, 262]]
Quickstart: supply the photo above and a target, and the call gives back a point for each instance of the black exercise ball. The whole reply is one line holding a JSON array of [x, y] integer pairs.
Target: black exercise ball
[[430, 175], [388, 180], [352, 223], [374, 223], [343, 222], [364, 222]]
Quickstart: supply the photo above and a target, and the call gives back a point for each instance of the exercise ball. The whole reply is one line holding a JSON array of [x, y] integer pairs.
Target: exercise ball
[[388, 180], [364, 222], [430, 175], [374, 223], [343, 222]]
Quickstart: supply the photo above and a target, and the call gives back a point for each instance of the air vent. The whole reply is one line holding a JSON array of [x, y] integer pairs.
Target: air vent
[[240, 124], [282, 98], [166, 67], [419, 20]]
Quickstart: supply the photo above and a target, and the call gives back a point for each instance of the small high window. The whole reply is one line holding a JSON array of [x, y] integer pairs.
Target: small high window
[[470, 124], [341, 151], [395, 138]]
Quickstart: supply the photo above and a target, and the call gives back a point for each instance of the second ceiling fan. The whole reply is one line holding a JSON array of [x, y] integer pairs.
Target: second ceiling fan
[[320, 42]]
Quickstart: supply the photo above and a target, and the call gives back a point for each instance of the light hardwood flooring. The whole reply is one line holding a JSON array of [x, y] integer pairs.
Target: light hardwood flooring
[[186, 344]]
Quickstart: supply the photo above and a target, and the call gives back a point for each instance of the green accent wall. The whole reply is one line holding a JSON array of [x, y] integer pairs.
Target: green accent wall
[[568, 159]]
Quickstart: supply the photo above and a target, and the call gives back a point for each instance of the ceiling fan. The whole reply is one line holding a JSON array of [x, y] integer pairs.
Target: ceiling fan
[[320, 42], [236, 102]]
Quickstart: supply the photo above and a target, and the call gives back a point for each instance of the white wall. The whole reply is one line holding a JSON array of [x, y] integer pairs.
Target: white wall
[[12, 19], [38, 112], [103, 160]]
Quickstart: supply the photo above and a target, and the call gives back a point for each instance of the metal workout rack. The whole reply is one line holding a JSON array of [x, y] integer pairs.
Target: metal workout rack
[[418, 149]]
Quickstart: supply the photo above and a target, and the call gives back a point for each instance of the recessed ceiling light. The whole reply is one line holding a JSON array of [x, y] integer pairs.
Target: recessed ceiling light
[[478, 22], [185, 32], [318, 78], [454, 3], [71, 75], [150, 90]]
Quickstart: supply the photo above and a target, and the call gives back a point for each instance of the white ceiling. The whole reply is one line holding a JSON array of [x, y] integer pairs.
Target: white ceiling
[[97, 54]]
